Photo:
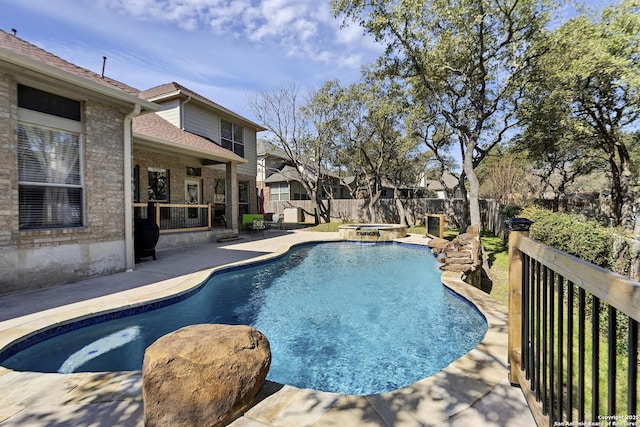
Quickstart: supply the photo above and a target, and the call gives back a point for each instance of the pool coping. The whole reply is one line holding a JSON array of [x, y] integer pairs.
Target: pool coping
[[429, 401]]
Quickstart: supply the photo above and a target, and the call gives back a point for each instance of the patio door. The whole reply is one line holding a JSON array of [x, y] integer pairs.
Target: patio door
[[193, 196]]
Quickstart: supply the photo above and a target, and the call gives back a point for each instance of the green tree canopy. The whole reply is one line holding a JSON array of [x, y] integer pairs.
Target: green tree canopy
[[585, 99], [462, 56]]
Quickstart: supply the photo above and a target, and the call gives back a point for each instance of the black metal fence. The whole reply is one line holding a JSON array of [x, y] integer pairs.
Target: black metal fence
[[573, 337], [573, 342], [176, 217]]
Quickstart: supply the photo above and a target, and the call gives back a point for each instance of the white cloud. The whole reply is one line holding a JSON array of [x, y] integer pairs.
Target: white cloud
[[223, 49], [304, 28]]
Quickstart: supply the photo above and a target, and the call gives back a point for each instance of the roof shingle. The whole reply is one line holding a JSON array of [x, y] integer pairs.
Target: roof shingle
[[17, 45], [154, 126]]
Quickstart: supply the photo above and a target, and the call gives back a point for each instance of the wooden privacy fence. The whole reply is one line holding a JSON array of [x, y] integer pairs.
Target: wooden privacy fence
[[573, 336]]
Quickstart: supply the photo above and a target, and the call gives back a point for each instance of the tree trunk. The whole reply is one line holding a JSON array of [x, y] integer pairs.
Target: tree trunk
[[400, 206], [464, 218], [627, 218], [372, 211], [474, 189]]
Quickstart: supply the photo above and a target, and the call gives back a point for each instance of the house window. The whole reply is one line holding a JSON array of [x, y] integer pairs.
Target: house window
[[243, 197], [50, 179], [232, 137], [158, 185], [279, 191], [219, 191], [191, 171], [299, 193]]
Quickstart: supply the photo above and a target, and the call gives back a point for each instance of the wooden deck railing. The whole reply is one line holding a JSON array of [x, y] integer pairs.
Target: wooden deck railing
[[173, 217], [573, 337]]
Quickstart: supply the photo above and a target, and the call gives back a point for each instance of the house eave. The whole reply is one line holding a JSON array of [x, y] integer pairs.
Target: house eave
[[219, 109]]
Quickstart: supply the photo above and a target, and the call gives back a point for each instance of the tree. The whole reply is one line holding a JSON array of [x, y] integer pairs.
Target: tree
[[302, 128], [552, 143], [464, 55], [587, 98], [371, 140], [423, 124], [504, 177]]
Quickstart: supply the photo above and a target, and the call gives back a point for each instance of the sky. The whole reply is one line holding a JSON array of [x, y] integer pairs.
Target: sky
[[225, 50]]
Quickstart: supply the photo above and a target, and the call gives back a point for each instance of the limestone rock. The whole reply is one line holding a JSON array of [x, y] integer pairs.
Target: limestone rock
[[465, 238], [203, 375], [459, 260], [461, 255], [457, 253], [458, 268], [437, 243], [474, 230]]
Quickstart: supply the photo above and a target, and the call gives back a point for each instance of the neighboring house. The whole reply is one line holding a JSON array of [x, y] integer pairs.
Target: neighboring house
[[451, 182], [72, 165], [281, 180]]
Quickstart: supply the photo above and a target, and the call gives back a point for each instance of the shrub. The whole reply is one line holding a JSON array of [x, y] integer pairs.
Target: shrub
[[570, 233], [586, 239], [510, 211]]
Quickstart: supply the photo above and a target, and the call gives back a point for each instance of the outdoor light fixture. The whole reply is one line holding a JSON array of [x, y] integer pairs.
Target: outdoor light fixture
[[519, 224]]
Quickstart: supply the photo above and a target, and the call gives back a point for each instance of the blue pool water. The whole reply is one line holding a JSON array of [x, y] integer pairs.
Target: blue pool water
[[340, 317]]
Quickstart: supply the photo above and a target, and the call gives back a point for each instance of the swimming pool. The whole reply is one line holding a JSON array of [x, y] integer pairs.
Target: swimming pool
[[349, 329]]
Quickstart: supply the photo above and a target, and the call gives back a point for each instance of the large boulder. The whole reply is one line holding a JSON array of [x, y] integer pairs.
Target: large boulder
[[203, 375]]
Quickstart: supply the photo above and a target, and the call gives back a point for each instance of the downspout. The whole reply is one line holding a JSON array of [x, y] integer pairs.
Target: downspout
[[129, 254], [185, 102]]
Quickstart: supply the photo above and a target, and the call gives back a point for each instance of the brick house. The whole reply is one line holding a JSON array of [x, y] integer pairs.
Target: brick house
[[78, 149]]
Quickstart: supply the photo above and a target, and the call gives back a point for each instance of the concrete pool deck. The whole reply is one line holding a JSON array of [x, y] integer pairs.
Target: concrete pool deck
[[472, 390]]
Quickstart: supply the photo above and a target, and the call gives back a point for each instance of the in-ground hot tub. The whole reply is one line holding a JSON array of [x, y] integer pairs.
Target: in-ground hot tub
[[372, 232]]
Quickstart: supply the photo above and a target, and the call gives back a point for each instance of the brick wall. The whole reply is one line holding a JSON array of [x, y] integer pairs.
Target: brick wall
[[104, 171], [103, 152], [8, 154], [39, 258]]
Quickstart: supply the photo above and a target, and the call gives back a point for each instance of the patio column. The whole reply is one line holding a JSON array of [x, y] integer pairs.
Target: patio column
[[232, 210]]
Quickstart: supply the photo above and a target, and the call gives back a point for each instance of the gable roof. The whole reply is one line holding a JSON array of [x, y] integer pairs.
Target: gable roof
[[31, 61], [175, 90], [160, 133], [265, 148], [449, 179], [286, 174]]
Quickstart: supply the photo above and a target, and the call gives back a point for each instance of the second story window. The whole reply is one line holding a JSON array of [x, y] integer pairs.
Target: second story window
[[232, 137]]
